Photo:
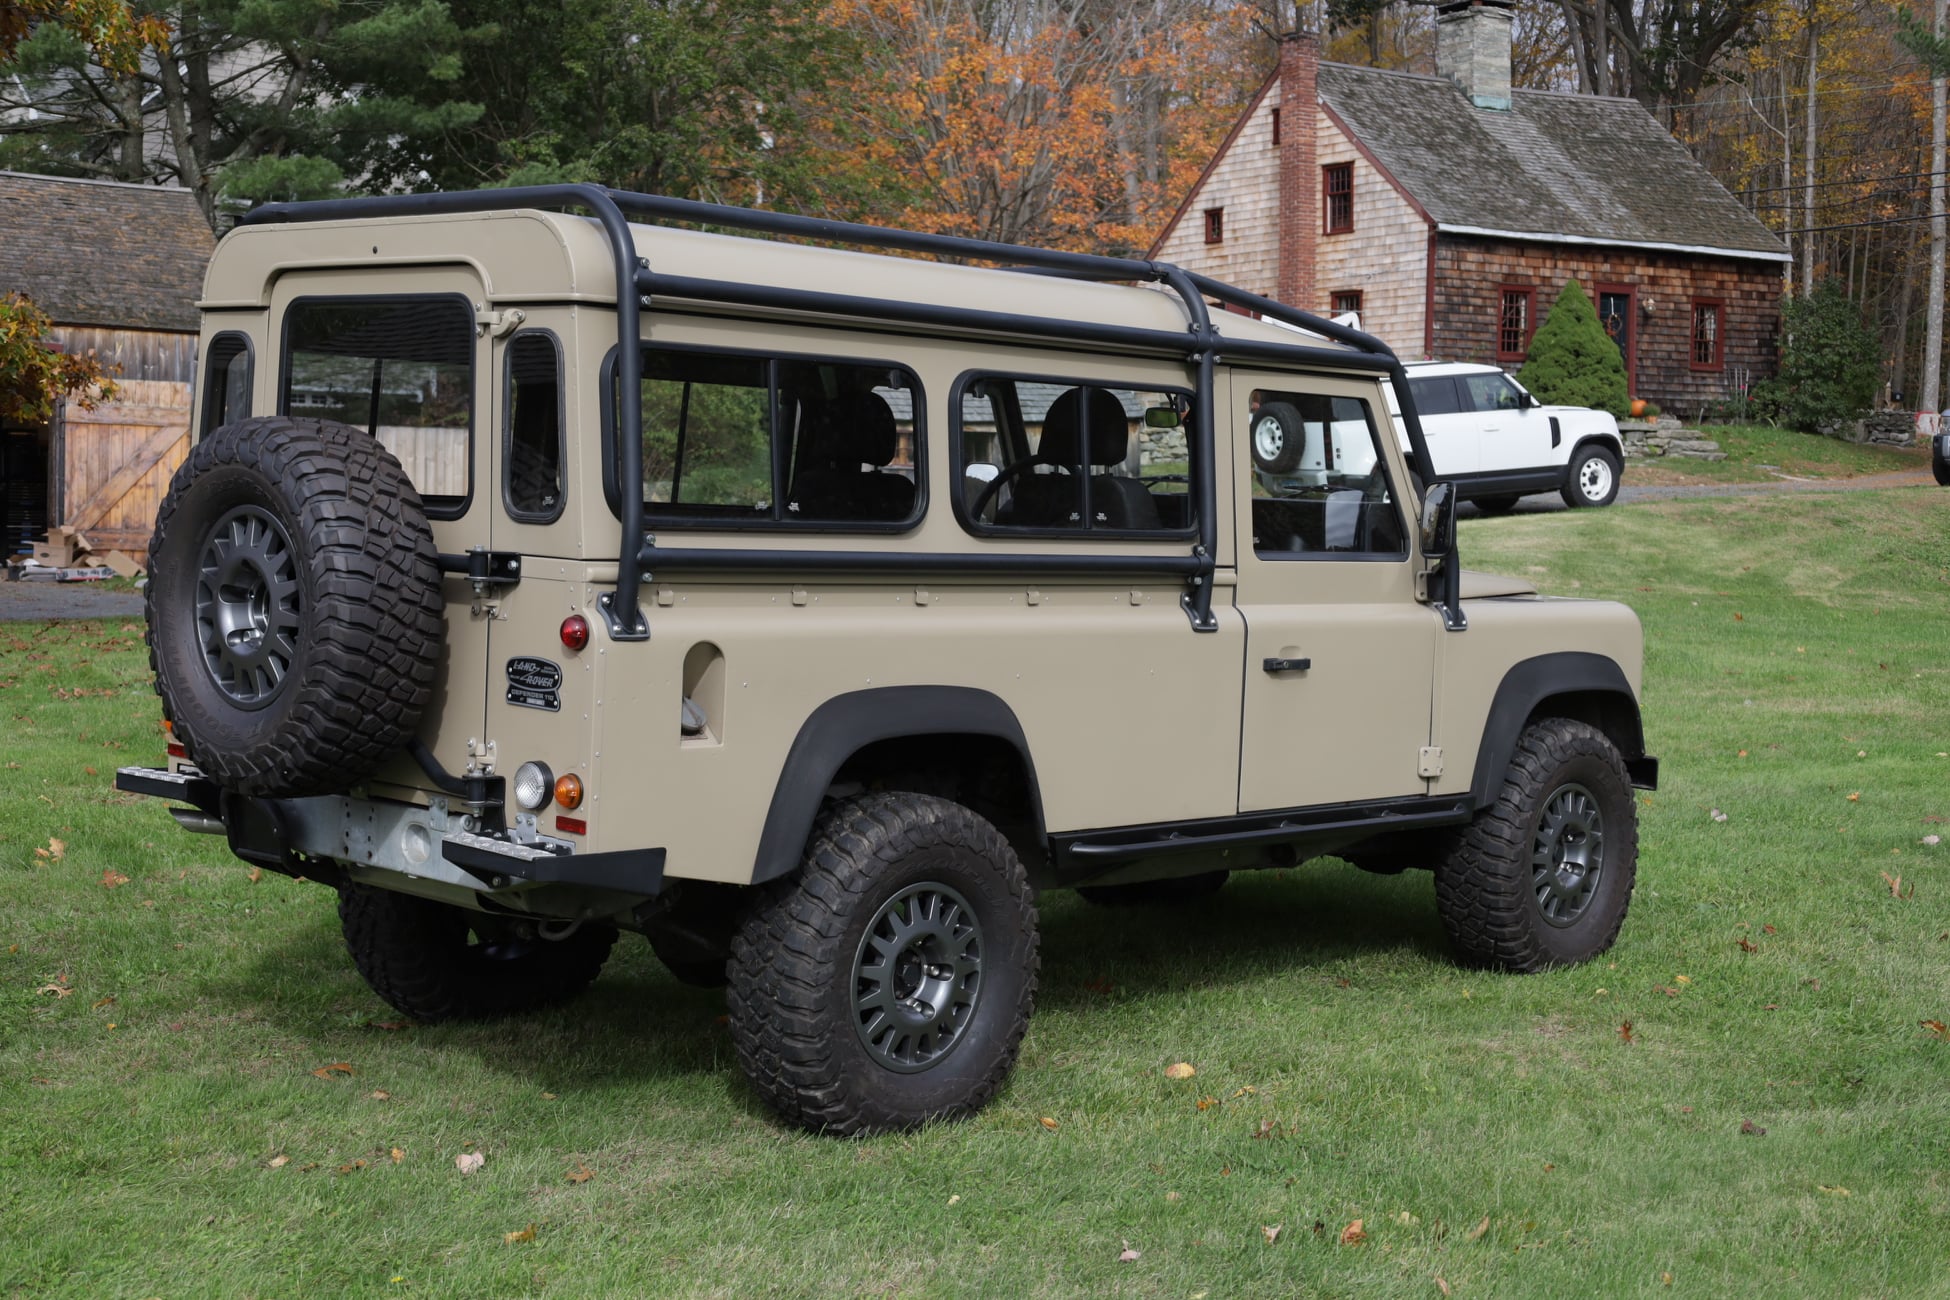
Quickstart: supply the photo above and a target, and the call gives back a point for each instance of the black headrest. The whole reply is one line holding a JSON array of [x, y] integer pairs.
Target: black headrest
[[866, 425], [1110, 430]]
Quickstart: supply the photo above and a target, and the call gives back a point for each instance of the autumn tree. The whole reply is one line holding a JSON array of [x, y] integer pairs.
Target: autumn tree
[[35, 375]]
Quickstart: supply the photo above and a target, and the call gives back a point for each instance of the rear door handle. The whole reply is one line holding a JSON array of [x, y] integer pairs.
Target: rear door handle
[[1287, 665]]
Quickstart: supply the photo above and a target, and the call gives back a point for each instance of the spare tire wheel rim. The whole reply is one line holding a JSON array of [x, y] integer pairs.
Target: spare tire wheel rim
[[1268, 438], [1595, 478], [917, 976], [247, 605], [1567, 860]]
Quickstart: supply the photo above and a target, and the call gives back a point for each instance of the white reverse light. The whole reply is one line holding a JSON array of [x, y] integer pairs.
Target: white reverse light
[[534, 786]]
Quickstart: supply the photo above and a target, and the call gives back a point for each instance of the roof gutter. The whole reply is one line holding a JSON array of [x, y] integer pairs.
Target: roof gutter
[[1751, 254]]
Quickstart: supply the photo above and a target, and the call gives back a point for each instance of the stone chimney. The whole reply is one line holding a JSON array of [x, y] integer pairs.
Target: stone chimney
[[1472, 49], [1300, 217]]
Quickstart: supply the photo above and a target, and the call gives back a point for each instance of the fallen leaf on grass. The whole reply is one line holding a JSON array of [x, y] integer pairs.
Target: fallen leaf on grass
[[1207, 1103], [583, 1173], [1247, 1091], [1667, 989], [1855, 797], [1748, 945], [1476, 1233], [1717, 815], [58, 990], [113, 879], [1936, 1027], [1743, 753], [54, 852], [955, 1199], [108, 1001], [1442, 1286], [1180, 1070], [1127, 1255], [1047, 1123], [468, 1161], [381, 1094], [390, 1025], [1267, 1128], [1625, 1031], [91, 771], [1353, 1234], [526, 1234], [1665, 1279], [255, 875], [1750, 1129], [397, 1155], [336, 1067], [354, 1166], [1271, 1232], [1768, 929], [1834, 1191], [279, 1162], [1895, 884], [1931, 840], [1682, 980]]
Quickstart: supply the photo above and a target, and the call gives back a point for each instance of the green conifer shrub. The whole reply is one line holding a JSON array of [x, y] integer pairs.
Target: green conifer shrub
[[1572, 361], [1832, 366]]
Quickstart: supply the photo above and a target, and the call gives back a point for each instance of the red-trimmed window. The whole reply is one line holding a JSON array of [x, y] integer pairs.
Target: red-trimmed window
[[1276, 126], [1215, 225], [1337, 196], [1346, 300], [1709, 334], [1515, 322]]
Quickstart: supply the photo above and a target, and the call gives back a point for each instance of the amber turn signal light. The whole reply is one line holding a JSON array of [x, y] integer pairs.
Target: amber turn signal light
[[568, 790], [575, 631]]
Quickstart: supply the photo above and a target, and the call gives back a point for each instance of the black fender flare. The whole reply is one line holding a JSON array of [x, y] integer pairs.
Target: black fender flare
[[1603, 698], [845, 724], [1614, 445]]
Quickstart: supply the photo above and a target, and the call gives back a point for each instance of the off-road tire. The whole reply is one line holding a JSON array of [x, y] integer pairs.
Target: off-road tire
[[326, 583], [429, 960], [1151, 893], [1940, 463], [1285, 457], [1501, 504], [797, 960], [1488, 887], [1592, 478]]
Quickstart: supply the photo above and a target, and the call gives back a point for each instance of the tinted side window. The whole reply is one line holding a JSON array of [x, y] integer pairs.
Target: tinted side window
[[401, 369], [1320, 482], [1490, 392], [534, 448], [1044, 455], [226, 381], [731, 439], [1435, 395]]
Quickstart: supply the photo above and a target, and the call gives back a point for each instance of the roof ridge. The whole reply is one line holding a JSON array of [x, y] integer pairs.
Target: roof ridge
[[91, 180]]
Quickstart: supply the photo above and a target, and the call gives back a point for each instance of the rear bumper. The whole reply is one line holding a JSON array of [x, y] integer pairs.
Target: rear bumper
[[319, 838]]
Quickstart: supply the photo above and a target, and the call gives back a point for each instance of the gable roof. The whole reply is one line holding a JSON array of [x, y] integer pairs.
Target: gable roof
[[103, 253], [1554, 167]]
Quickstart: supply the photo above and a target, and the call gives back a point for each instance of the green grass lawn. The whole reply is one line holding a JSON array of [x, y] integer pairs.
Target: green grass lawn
[[1761, 453], [165, 1129]]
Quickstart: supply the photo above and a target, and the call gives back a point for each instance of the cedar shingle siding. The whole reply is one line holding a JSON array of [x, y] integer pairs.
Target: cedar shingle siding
[[98, 253], [1454, 203]]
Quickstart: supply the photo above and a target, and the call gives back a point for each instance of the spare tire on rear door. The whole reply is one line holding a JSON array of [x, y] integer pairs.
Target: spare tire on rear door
[[294, 606]]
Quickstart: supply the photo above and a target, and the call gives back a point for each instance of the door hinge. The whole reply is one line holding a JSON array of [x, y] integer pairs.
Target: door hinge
[[498, 324], [1431, 765]]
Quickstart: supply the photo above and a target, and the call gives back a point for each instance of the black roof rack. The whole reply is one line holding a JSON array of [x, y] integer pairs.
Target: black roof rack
[[638, 284]]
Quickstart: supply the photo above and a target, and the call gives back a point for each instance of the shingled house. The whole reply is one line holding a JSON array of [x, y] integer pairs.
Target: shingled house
[[118, 268], [1449, 210]]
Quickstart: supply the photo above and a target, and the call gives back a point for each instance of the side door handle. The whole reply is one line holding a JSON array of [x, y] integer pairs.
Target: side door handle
[[1287, 665]]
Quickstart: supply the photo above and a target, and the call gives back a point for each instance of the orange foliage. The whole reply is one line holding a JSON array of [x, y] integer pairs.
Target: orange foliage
[[1028, 122]]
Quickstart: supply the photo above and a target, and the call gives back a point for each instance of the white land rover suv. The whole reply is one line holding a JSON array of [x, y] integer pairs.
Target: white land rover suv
[[1498, 443]]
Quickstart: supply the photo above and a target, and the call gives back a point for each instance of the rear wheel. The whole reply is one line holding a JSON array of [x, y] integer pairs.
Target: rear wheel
[[433, 961], [891, 981], [1543, 876]]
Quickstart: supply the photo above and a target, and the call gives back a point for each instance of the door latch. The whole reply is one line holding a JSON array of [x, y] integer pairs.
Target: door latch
[[1287, 665]]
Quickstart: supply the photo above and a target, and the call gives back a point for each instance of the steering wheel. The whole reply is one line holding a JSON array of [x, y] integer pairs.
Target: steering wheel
[[1009, 474]]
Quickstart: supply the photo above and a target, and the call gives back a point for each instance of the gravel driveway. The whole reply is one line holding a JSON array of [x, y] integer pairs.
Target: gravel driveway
[[36, 601]]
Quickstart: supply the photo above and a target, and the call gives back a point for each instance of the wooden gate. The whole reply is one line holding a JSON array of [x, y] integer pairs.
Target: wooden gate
[[116, 461]]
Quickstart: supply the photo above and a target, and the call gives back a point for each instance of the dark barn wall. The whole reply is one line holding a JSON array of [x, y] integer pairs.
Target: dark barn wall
[[142, 354], [1470, 273]]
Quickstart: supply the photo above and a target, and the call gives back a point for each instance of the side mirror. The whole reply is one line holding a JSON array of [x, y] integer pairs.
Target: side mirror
[[1438, 524], [1526, 400]]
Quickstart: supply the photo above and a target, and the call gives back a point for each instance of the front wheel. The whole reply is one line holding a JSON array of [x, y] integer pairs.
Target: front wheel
[[1593, 479], [890, 982], [1543, 876], [434, 962]]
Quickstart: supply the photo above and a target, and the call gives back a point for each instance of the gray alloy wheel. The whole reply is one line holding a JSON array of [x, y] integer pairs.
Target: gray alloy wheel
[[917, 977], [1567, 859], [247, 605]]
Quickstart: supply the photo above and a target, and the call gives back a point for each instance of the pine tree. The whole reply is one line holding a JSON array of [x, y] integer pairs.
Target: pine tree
[[1572, 361]]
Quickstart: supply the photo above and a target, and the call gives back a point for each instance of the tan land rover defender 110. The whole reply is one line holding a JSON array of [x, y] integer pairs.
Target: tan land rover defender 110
[[548, 567]]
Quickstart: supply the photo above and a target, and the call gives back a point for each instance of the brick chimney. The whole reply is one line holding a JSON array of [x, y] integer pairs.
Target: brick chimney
[[1300, 218], [1472, 49]]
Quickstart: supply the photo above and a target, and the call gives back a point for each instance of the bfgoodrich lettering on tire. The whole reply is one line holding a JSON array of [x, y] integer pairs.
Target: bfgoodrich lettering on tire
[[294, 606], [891, 981], [1544, 874]]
